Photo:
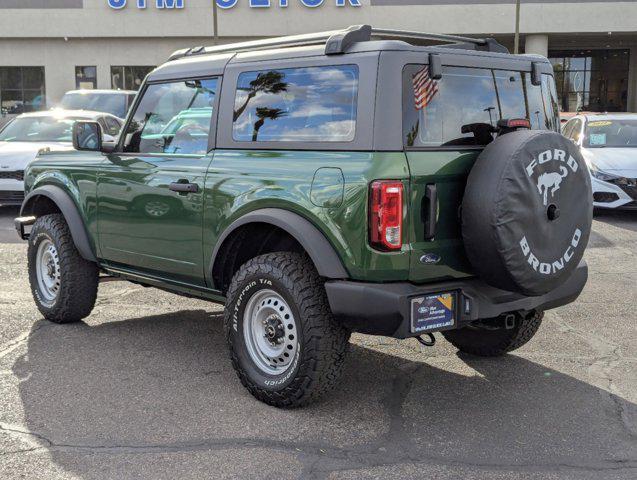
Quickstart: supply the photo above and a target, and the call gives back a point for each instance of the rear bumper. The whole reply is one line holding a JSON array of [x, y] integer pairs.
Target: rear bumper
[[385, 309]]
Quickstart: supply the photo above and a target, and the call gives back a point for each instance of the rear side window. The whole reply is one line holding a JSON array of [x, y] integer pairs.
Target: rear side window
[[462, 107], [173, 118], [316, 104]]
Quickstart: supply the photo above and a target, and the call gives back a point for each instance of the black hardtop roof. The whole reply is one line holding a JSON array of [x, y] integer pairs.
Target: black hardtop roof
[[201, 61], [337, 42]]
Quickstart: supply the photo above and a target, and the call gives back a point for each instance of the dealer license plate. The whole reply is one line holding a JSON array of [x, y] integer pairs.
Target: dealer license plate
[[433, 312]]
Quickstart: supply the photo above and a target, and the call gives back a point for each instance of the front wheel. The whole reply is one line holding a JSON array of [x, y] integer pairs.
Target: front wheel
[[284, 343], [64, 285], [495, 336]]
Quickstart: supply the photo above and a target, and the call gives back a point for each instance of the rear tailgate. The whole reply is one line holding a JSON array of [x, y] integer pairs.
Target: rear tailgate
[[447, 171], [447, 120]]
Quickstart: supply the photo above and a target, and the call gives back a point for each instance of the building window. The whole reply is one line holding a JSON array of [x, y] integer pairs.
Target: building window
[[315, 104], [591, 80], [86, 78], [21, 89], [129, 78]]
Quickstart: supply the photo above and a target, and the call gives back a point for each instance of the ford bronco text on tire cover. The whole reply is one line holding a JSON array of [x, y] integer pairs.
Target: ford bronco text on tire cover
[[322, 184]]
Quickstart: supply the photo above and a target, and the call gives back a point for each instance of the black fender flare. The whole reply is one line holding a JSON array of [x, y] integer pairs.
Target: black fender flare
[[327, 262], [71, 214]]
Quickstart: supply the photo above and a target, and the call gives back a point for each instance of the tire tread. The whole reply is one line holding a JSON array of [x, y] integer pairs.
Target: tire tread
[[325, 342], [78, 288]]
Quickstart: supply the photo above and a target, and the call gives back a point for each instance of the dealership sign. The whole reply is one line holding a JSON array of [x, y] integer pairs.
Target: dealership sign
[[171, 4]]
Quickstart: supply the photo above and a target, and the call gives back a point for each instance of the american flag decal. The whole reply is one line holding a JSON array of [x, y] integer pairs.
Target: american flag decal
[[424, 88]]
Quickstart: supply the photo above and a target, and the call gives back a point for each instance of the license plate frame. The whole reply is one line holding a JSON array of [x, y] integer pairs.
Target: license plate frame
[[433, 312]]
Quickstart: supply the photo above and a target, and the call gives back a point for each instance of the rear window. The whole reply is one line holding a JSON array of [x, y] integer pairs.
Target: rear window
[[435, 111], [316, 104]]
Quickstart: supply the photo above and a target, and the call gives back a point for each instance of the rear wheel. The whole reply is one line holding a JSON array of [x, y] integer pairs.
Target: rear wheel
[[495, 336], [284, 343], [64, 285]]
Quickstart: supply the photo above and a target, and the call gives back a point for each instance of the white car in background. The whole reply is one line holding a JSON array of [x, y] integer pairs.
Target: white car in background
[[115, 102], [23, 137], [608, 143]]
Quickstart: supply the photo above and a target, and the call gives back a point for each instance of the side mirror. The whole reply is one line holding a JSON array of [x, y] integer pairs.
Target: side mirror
[[87, 136]]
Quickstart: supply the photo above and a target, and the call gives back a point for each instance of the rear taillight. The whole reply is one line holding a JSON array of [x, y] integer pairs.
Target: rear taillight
[[386, 215]]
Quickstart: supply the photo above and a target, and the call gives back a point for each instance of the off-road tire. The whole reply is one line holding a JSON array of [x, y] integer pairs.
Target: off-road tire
[[78, 277], [322, 342], [493, 342]]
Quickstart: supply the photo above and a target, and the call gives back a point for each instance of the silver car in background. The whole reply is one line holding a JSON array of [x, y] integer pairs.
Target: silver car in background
[[608, 143]]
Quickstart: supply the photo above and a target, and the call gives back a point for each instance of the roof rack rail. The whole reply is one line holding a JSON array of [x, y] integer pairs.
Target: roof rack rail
[[338, 41]]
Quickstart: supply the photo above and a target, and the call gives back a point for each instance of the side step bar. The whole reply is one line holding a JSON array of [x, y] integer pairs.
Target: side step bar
[[22, 222]]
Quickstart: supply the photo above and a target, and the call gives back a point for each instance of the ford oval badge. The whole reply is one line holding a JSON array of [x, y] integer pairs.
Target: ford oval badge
[[430, 258]]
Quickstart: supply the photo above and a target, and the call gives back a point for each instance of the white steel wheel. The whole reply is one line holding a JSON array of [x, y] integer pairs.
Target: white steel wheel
[[48, 271], [270, 332]]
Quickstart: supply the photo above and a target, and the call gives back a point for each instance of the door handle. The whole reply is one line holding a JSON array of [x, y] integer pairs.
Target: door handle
[[184, 186], [431, 212]]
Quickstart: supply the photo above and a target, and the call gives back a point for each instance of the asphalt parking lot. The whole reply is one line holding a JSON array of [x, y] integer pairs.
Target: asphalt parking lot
[[144, 389]]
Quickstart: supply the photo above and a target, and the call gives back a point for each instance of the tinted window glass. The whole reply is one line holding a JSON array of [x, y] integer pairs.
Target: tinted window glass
[[113, 103], [464, 106], [173, 118], [21, 89], [39, 129], [436, 110], [576, 131], [129, 78], [511, 94], [611, 133], [297, 105], [551, 106], [567, 131]]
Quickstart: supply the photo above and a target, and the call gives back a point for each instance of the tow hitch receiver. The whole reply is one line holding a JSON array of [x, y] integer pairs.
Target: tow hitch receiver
[[22, 222], [430, 342]]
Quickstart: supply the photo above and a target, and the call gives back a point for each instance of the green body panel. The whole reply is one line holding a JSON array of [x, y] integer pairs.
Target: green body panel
[[76, 174], [138, 225], [241, 181], [145, 225], [448, 170]]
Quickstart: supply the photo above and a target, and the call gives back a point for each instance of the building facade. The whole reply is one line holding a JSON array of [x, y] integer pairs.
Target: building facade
[[50, 46]]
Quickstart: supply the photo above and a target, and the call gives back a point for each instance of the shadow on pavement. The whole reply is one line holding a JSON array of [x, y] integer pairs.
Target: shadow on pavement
[[162, 385], [7, 230], [619, 218]]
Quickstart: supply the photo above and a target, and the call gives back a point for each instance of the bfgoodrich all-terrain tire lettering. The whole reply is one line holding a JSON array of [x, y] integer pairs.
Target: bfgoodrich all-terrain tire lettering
[[64, 285], [490, 338], [284, 343]]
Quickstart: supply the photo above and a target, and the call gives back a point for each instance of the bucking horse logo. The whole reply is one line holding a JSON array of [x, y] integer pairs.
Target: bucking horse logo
[[550, 181]]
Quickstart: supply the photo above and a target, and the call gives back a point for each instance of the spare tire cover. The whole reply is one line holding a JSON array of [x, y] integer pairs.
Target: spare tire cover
[[527, 211]]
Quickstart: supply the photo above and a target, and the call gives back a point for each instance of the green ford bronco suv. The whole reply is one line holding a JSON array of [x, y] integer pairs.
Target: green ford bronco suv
[[320, 184]]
